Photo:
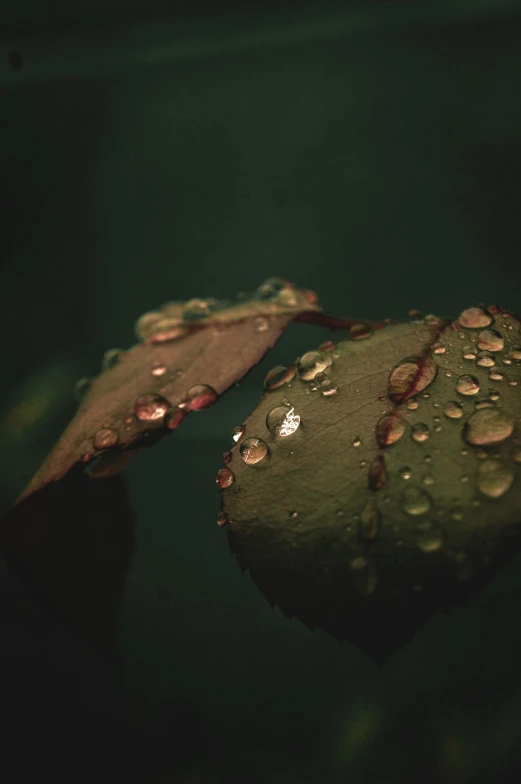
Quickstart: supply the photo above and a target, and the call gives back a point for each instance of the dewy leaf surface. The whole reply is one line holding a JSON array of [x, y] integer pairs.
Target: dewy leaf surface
[[189, 354], [381, 481]]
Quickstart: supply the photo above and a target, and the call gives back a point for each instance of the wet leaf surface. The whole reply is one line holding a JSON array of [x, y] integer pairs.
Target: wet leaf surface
[[382, 481]]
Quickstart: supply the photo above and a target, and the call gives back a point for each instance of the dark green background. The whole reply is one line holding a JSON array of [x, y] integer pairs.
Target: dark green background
[[153, 152]]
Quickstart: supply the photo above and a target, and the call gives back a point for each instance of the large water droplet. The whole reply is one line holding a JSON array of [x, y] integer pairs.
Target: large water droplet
[[453, 410], [370, 521], [253, 450], [282, 421], [410, 377], [225, 478], [200, 396], [278, 376], [474, 318], [488, 426], [105, 438], [389, 429], [416, 501], [485, 359], [238, 432], [494, 478], [378, 473], [150, 408], [313, 362], [490, 340], [467, 385]]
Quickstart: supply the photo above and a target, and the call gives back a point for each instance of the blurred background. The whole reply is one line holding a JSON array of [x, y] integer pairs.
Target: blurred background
[[156, 151]]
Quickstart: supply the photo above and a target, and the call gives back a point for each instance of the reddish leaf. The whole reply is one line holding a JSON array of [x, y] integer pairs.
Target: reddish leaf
[[381, 481]]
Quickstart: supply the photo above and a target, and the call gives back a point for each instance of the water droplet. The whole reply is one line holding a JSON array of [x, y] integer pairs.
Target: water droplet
[[432, 320], [453, 409], [111, 357], [278, 376], [313, 362], [238, 432], [467, 385], [410, 377], [167, 330], [222, 519], [515, 352], [356, 442], [293, 514], [412, 404], [282, 421], [150, 408], [158, 369], [488, 426], [389, 429], [494, 478], [197, 309], [364, 575], [474, 318], [415, 314], [416, 501], [370, 521], [360, 331], [490, 340], [253, 450], [516, 454], [261, 324], [377, 473], [496, 375], [82, 387], [430, 540], [485, 359], [199, 397], [227, 457], [405, 472], [420, 432], [270, 288], [327, 388], [225, 478], [469, 352], [327, 346], [428, 480], [105, 438], [174, 417], [438, 348]]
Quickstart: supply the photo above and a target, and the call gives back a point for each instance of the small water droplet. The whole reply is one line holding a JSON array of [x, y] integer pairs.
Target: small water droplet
[[377, 473], [490, 340], [356, 442], [416, 501], [420, 432], [410, 377], [293, 514], [485, 359], [389, 429], [515, 352], [225, 478], [453, 409], [238, 432], [496, 375], [278, 376], [412, 404], [438, 348], [227, 457], [474, 318], [111, 357], [428, 480], [174, 417], [370, 521], [197, 309], [105, 438], [158, 369], [261, 324], [405, 472], [469, 352], [360, 331], [82, 387], [146, 323], [516, 454], [222, 519], [313, 362], [467, 385], [253, 450], [199, 397], [282, 421], [494, 478], [488, 426], [150, 408]]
